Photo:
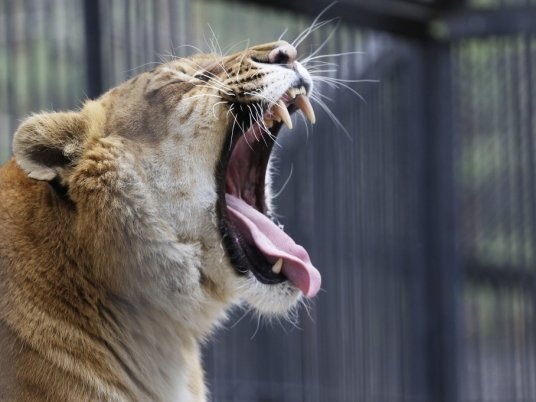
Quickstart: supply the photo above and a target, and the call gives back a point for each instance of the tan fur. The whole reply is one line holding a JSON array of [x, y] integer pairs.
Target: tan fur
[[106, 294]]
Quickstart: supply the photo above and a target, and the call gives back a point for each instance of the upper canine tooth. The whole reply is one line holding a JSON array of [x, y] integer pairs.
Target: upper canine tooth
[[302, 101], [280, 110], [276, 269]]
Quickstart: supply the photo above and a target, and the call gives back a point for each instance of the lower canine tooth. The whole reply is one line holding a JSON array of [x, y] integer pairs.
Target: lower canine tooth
[[276, 269], [280, 110], [302, 101]]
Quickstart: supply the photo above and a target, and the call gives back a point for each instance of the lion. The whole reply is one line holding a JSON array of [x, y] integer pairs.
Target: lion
[[130, 227]]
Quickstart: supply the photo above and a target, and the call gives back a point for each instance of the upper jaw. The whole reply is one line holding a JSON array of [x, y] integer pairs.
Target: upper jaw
[[260, 131], [297, 97]]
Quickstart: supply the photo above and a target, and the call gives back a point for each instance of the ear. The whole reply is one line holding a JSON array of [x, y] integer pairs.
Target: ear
[[46, 143]]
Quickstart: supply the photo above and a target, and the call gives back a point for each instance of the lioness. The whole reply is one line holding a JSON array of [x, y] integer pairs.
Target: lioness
[[128, 228]]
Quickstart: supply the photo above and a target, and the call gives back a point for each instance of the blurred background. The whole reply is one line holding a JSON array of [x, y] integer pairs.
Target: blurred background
[[421, 214]]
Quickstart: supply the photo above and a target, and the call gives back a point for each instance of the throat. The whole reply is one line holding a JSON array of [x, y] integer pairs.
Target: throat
[[142, 338], [246, 169]]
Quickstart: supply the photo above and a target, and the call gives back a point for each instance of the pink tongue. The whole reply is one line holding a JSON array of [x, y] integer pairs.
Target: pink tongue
[[275, 244]]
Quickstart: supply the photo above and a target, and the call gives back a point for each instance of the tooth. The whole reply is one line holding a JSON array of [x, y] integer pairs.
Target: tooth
[[280, 110], [269, 123], [276, 269], [302, 90], [302, 101]]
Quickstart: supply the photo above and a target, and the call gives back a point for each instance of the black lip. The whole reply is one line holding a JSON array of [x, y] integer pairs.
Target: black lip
[[244, 257]]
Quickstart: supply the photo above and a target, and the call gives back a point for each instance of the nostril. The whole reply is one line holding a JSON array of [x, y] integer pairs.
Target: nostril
[[285, 54]]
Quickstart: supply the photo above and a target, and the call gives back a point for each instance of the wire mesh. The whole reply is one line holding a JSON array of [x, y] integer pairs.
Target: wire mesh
[[495, 91], [361, 201], [42, 60], [487, 4]]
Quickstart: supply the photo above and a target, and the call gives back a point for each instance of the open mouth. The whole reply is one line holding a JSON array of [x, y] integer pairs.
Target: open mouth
[[253, 241]]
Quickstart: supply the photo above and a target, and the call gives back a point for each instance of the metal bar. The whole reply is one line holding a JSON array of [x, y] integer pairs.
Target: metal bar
[[501, 21], [92, 23], [449, 4], [416, 268], [499, 276], [530, 136], [447, 20], [440, 227], [11, 66], [438, 5], [7, 70], [398, 18]]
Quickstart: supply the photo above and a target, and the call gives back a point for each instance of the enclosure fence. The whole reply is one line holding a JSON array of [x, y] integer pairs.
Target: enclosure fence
[[420, 213]]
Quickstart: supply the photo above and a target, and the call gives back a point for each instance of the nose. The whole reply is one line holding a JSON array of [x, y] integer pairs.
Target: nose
[[284, 54]]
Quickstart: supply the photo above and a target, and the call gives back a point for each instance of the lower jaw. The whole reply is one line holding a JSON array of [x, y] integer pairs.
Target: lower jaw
[[236, 253], [246, 259], [277, 300]]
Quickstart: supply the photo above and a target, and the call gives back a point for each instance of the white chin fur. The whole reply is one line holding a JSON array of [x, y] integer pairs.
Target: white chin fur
[[277, 299]]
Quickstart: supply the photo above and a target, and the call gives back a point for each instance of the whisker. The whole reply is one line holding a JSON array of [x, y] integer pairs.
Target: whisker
[[217, 89], [209, 75], [261, 124], [241, 60], [337, 84], [312, 70], [251, 124], [269, 134], [306, 124], [258, 326], [208, 84], [345, 80], [312, 28], [234, 123], [328, 38], [332, 116], [200, 95], [315, 25], [324, 56], [228, 49], [271, 102], [197, 49], [142, 66], [247, 310], [321, 96], [321, 63], [283, 34], [285, 183], [216, 40], [216, 104]]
